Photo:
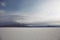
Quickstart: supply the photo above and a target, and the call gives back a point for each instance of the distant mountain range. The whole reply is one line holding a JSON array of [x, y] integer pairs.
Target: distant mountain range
[[15, 24], [43, 24], [12, 24]]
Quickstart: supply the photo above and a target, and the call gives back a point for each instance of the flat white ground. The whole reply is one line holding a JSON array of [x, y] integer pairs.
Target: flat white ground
[[30, 33]]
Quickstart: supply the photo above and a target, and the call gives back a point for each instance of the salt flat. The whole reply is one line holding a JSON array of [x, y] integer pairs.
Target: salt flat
[[30, 33]]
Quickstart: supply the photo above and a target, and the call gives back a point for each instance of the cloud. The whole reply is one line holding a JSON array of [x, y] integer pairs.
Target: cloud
[[5, 17], [3, 4], [43, 12]]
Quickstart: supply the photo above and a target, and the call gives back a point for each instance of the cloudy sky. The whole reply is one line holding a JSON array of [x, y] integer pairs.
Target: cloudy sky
[[30, 11]]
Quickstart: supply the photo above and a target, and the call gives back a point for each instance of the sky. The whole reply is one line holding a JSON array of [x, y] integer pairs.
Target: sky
[[31, 11]]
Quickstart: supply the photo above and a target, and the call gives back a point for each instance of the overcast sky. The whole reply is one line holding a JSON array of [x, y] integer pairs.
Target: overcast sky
[[30, 11]]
